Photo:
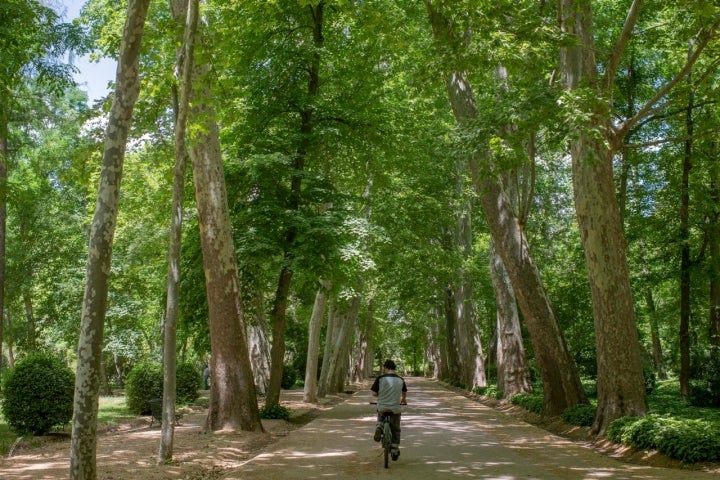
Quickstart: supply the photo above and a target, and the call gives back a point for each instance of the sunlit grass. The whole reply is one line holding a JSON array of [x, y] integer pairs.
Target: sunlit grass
[[112, 411]]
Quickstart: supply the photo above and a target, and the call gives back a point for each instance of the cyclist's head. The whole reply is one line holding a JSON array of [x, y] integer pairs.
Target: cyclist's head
[[389, 364]]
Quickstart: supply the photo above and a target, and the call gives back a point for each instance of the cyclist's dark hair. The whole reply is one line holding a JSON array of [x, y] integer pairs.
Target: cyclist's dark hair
[[389, 364]]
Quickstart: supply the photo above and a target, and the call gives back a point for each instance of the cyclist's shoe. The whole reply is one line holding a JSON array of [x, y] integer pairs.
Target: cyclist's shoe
[[395, 454], [378, 434]]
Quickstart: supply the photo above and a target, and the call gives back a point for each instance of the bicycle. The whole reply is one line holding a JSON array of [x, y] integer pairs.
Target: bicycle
[[385, 434]]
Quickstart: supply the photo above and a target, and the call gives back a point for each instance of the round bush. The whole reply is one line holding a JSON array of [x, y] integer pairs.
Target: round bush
[[38, 394], [188, 381], [143, 383]]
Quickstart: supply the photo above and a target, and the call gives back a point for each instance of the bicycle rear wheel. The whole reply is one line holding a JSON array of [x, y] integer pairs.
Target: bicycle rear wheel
[[387, 441]]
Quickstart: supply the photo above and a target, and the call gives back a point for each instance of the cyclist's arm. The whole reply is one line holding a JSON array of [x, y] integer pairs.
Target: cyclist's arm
[[403, 399]]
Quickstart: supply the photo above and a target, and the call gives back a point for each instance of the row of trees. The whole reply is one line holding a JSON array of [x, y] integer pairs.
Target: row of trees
[[339, 153]]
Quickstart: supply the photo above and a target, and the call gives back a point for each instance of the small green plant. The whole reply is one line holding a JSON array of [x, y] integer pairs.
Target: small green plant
[[488, 391], [276, 412], [38, 394], [580, 415], [529, 401]]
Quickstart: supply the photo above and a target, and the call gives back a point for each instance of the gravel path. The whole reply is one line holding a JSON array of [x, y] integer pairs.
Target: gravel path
[[445, 435]]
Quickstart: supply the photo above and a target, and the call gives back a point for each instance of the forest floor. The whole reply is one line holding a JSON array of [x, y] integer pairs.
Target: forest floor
[[128, 451]]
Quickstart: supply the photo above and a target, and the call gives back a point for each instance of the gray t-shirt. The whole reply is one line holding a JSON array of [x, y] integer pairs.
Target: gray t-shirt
[[389, 388]]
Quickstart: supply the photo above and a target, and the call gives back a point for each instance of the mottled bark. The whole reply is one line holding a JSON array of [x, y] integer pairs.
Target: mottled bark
[[310, 393], [561, 381], [338, 339], [470, 352], [85, 408], [621, 389], [233, 399], [513, 375], [184, 13], [259, 345]]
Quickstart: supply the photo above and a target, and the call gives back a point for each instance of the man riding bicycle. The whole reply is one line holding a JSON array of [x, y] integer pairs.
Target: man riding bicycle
[[390, 390]]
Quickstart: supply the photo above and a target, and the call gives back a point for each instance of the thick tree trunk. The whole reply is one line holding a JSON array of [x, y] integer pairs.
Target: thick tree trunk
[[186, 14], [332, 326], [621, 389], [310, 393], [85, 407], [561, 381], [233, 399]]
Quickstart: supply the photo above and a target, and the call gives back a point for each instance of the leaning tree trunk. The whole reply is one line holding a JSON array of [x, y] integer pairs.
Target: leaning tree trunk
[[561, 382], [83, 443], [620, 392], [233, 399], [184, 13]]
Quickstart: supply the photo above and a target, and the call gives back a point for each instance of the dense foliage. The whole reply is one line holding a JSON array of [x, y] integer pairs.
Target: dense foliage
[[38, 394], [145, 382]]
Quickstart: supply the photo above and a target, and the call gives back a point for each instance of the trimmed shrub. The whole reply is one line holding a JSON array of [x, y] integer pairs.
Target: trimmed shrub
[[143, 383], [530, 402], [580, 415], [276, 412], [188, 381], [38, 394]]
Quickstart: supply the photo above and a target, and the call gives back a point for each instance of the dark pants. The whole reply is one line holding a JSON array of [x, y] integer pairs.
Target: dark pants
[[394, 426]]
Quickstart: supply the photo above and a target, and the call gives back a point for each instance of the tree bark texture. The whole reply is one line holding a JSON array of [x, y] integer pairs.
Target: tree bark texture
[[513, 375], [338, 339], [470, 352], [259, 346], [561, 381], [621, 389], [184, 13], [714, 241], [310, 392], [83, 443], [233, 399]]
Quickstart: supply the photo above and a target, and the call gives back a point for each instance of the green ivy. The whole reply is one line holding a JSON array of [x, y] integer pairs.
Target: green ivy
[[276, 412], [580, 415], [529, 401]]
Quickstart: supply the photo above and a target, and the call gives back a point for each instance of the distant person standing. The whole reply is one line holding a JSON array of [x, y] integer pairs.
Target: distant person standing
[[206, 377], [391, 391]]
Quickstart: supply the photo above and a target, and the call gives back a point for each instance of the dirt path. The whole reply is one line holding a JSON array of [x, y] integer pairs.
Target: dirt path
[[445, 435]]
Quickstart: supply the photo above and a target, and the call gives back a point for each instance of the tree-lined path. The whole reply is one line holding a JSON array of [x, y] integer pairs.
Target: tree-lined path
[[445, 435]]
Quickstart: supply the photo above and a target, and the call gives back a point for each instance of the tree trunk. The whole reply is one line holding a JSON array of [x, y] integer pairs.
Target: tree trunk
[[85, 407], [4, 133], [332, 325], [621, 390], [714, 241], [561, 381], [470, 352], [233, 399], [277, 353], [338, 340], [184, 13], [657, 352], [513, 375], [310, 394], [259, 346]]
